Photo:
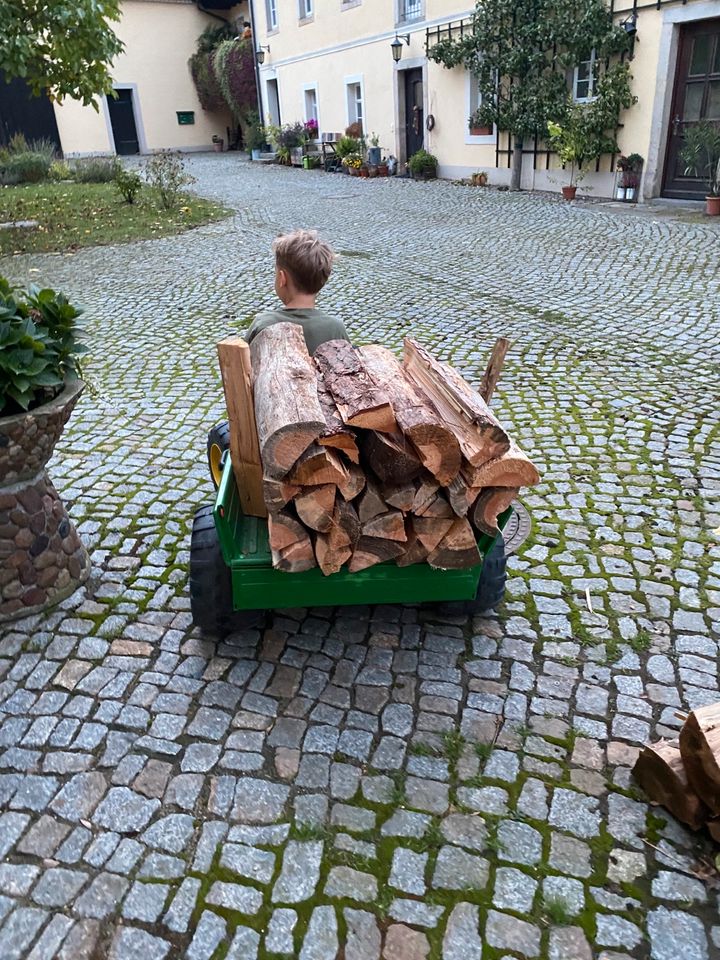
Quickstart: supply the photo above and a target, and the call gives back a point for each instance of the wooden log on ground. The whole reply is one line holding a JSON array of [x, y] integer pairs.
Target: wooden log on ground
[[316, 506], [290, 544], [415, 550], [360, 402], [319, 465], [371, 503], [435, 443], [660, 771], [373, 550], [512, 469], [390, 526], [461, 495], [336, 434], [278, 493], [479, 433], [491, 502], [391, 457], [287, 410], [700, 751], [493, 369], [430, 531], [458, 548], [236, 371]]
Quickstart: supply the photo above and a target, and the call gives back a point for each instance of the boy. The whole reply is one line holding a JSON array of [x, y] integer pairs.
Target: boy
[[302, 266]]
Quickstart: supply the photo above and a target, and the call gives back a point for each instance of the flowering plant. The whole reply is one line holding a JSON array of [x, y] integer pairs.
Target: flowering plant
[[353, 160], [311, 128]]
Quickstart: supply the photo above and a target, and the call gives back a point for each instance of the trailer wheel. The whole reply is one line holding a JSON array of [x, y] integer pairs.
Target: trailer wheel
[[218, 441], [210, 582], [491, 586]]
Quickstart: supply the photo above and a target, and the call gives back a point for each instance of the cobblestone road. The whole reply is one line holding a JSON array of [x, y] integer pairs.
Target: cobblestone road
[[387, 782]]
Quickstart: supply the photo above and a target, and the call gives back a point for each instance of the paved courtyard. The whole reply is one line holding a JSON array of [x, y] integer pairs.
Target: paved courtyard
[[363, 783]]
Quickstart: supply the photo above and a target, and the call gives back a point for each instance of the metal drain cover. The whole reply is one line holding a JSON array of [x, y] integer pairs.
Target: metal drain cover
[[517, 529]]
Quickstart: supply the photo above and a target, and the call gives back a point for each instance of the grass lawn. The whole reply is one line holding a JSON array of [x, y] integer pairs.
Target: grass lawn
[[73, 215]]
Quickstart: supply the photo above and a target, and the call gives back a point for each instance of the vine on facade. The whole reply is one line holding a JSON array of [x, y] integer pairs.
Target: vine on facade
[[223, 70]]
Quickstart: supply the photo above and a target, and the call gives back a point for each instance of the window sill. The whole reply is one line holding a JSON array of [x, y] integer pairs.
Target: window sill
[[349, 4], [480, 140], [272, 31], [418, 18], [304, 20]]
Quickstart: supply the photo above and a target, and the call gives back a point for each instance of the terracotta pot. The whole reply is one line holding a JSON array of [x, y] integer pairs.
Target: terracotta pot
[[218, 145], [364, 172], [712, 206], [48, 559], [383, 170], [569, 192]]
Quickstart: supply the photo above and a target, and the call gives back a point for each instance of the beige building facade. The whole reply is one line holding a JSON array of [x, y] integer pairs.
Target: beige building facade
[[332, 60]]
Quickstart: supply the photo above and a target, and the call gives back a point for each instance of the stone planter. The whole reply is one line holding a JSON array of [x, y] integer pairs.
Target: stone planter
[[42, 559]]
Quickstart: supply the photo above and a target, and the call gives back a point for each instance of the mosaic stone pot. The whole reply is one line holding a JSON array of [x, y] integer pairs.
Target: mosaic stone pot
[[42, 559]]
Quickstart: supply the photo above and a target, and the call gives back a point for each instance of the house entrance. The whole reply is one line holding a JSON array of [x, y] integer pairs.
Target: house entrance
[[122, 121]]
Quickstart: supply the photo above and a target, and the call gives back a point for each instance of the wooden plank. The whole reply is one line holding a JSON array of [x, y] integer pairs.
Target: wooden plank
[[236, 371], [494, 369]]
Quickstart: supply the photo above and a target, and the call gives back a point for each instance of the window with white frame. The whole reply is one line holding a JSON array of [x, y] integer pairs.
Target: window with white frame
[[410, 10], [585, 79], [306, 9], [311, 104], [354, 102], [272, 14], [474, 102]]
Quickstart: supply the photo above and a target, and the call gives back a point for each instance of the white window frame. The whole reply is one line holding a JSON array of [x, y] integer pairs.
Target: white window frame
[[311, 88], [271, 10], [472, 102], [306, 10], [401, 11], [356, 80], [592, 79]]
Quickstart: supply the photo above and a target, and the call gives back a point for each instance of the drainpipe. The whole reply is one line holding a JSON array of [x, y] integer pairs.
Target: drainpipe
[[261, 113]]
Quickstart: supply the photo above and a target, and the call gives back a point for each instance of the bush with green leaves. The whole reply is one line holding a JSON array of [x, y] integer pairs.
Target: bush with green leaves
[[423, 163], [347, 145], [166, 173], [25, 168], [39, 346], [700, 152], [59, 170], [128, 183], [96, 169]]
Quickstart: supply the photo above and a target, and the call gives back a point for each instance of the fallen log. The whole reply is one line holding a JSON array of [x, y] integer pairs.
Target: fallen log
[[458, 548], [389, 526], [287, 410], [700, 750], [360, 402], [290, 544], [435, 444], [336, 434], [512, 469], [373, 550], [491, 502], [316, 507], [479, 433], [391, 457], [660, 771]]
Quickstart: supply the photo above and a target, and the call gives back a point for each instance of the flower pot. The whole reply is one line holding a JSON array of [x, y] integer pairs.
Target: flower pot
[[383, 170], [255, 154], [374, 155], [364, 172], [372, 171], [712, 206], [620, 193], [218, 145], [630, 193], [569, 192], [46, 560]]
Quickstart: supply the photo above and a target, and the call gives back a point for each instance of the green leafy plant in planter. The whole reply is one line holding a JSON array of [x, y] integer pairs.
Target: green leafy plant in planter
[[39, 346], [423, 165], [347, 145], [700, 153]]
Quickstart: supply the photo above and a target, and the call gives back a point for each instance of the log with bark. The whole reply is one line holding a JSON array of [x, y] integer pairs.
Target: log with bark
[[512, 469], [491, 502], [660, 771], [700, 751], [335, 434], [457, 549], [290, 543], [359, 400]]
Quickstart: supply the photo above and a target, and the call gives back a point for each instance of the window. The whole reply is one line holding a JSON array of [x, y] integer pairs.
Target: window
[[311, 104], [354, 102], [474, 101], [410, 10], [306, 9], [585, 79], [272, 16]]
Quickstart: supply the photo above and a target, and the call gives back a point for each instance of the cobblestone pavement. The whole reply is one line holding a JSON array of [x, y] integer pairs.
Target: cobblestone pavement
[[388, 782]]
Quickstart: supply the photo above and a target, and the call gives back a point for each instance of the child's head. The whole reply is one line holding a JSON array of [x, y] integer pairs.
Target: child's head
[[302, 263]]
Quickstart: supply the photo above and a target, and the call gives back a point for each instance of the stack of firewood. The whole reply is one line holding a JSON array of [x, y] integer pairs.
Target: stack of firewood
[[364, 459], [684, 774]]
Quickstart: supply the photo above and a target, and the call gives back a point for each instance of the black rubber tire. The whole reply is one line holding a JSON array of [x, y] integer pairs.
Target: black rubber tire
[[218, 437], [490, 589], [210, 582]]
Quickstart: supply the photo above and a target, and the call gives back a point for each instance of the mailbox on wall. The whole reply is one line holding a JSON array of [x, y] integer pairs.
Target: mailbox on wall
[[185, 117]]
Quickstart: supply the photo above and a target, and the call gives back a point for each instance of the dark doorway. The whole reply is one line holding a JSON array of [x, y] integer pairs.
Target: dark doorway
[[414, 112], [122, 120], [696, 97], [21, 112]]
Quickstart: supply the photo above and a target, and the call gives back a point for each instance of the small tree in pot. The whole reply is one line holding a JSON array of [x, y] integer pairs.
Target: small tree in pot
[[39, 388], [700, 153], [423, 165]]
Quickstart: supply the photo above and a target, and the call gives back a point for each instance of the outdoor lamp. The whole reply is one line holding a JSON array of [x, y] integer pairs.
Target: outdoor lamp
[[260, 54], [630, 25], [396, 46]]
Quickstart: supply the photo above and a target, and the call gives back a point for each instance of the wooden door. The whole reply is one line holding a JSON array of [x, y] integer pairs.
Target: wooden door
[[696, 97], [414, 112], [122, 121]]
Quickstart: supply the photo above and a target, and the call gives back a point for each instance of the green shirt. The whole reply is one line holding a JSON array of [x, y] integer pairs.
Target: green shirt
[[316, 324]]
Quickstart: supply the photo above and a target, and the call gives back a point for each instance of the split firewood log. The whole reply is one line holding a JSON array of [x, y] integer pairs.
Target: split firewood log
[[435, 443], [353, 484], [336, 434], [316, 506], [371, 503], [415, 550], [479, 433], [430, 531], [278, 493], [512, 469], [373, 550], [660, 771], [390, 526], [427, 490], [290, 544], [436, 507], [491, 502], [402, 497], [335, 547], [461, 495], [458, 548], [287, 410], [700, 751], [360, 402], [319, 465], [391, 457]]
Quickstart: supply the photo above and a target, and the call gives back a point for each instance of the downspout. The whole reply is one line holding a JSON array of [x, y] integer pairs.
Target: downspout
[[261, 113]]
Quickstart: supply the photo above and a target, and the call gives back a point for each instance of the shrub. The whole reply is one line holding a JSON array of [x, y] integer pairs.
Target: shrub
[[38, 346], [96, 169], [128, 184], [59, 170], [423, 162], [26, 168], [166, 172], [346, 145], [45, 147]]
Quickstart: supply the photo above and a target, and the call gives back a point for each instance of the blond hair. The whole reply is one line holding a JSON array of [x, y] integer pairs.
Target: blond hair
[[306, 257]]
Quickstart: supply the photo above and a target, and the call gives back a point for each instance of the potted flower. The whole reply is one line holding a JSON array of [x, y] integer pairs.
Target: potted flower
[[569, 141], [374, 150], [218, 143], [629, 168], [256, 138], [700, 153], [353, 163], [479, 179], [311, 129], [423, 165], [39, 388], [383, 170]]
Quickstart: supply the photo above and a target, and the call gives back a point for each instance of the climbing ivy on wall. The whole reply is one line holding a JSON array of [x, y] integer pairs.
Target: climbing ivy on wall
[[223, 70]]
